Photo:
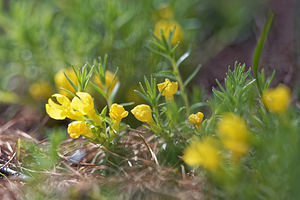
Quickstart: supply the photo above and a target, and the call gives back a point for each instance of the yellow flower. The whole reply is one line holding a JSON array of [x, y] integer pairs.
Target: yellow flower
[[77, 128], [62, 82], [40, 90], [168, 88], [202, 153], [109, 81], [234, 134], [83, 102], [166, 26], [143, 113], [278, 99], [117, 112], [196, 118], [63, 109]]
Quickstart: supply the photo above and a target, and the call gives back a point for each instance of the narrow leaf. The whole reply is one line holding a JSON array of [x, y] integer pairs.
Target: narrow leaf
[[71, 82], [260, 44], [96, 87]]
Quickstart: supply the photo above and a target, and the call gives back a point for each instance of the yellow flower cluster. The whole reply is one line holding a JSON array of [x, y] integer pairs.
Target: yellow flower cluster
[[196, 119], [203, 153], [75, 110], [233, 132], [62, 109], [110, 82], [167, 25], [168, 89], [277, 100], [62, 82], [81, 105], [40, 90]]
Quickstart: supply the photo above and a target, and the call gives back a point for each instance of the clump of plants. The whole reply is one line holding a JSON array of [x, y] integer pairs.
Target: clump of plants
[[244, 147]]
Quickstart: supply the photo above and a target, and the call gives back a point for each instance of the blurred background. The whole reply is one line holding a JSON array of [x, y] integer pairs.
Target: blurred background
[[39, 38]]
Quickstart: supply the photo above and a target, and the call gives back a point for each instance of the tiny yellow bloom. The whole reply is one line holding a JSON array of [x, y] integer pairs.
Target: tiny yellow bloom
[[196, 118], [84, 103], [110, 82], [167, 26], [62, 82], [143, 113], [40, 90], [62, 109], [278, 99], [117, 112], [168, 88], [77, 128], [233, 132], [202, 153]]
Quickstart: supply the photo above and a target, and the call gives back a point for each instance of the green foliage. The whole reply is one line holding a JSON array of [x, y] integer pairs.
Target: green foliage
[[236, 93], [269, 170], [41, 37], [36, 158]]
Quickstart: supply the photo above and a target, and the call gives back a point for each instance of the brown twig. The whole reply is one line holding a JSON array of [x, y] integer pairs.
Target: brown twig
[[147, 145], [8, 161], [73, 170]]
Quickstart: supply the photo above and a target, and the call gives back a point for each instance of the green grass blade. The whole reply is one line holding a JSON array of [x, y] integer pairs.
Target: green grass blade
[[260, 44]]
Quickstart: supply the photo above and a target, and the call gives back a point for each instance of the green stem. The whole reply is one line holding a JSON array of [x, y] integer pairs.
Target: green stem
[[181, 86], [155, 128], [156, 112], [95, 117]]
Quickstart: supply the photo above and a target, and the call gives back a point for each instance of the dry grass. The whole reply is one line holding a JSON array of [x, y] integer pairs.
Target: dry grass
[[79, 174]]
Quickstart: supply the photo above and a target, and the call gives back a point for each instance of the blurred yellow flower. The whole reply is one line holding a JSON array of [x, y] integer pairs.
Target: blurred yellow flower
[[202, 153], [110, 82], [278, 99], [168, 88], [40, 90], [84, 103], [62, 82], [117, 112], [143, 113], [196, 118], [166, 26], [77, 128], [62, 109], [233, 132]]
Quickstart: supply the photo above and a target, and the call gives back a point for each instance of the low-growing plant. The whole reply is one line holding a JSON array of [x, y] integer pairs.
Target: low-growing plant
[[246, 147]]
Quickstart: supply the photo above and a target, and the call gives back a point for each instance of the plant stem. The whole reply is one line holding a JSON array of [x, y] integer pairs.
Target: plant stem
[[156, 112], [181, 86]]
